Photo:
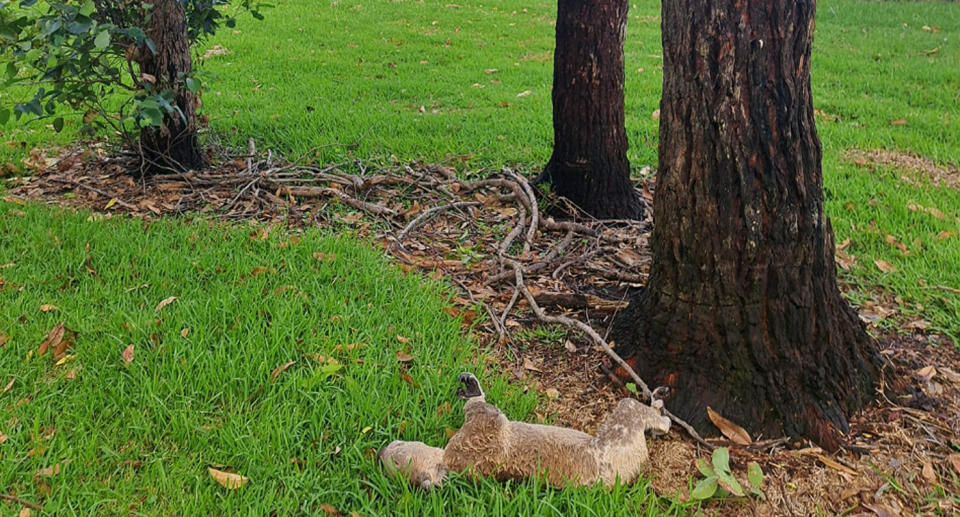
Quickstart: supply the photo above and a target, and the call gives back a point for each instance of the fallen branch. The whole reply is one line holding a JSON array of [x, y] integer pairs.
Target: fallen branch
[[595, 337]]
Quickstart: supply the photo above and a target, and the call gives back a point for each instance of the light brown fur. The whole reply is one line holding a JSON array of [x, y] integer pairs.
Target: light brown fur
[[489, 444]]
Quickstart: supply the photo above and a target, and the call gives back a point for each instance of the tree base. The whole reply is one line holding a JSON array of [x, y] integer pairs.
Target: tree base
[[599, 193], [777, 382]]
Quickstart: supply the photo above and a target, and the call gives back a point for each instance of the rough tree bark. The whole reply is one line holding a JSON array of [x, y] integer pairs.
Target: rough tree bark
[[174, 146], [742, 311], [589, 163]]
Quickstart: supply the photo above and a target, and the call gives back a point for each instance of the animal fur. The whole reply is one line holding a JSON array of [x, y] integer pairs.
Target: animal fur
[[489, 444]]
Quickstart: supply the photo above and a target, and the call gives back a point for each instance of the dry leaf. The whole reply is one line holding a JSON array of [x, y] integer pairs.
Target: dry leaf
[[927, 372], [524, 93], [403, 339], [261, 270], [898, 122], [404, 357], [3, 339], [3, 437], [551, 393], [184, 332], [227, 479], [570, 346], [528, 365], [408, 379], [954, 460], [54, 337], [836, 466], [8, 386], [928, 473], [884, 266], [280, 369], [732, 431], [449, 432], [324, 256], [329, 509], [48, 471], [656, 114], [127, 355], [25, 512], [165, 302], [48, 307], [881, 510]]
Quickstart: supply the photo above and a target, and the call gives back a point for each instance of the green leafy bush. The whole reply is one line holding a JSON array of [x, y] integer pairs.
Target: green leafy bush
[[88, 54]]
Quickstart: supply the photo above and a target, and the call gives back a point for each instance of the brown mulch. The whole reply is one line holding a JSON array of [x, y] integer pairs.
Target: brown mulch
[[904, 455], [941, 176]]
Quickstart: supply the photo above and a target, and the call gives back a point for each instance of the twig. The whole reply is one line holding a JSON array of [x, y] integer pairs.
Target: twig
[[124, 204], [534, 209], [592, 334], [342, 196], [426, 215], [252, 148], [21, 502]]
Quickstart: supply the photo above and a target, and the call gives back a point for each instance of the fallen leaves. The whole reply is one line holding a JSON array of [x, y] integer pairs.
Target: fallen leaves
[[262, 270], [403, 357], [884, 266], [165, 302], [228, 480], [9, 385], [127, 355], [954, 461], [732, 431], [60, 338], [835, 465], [3, 339], [280, 369], [48, 308]]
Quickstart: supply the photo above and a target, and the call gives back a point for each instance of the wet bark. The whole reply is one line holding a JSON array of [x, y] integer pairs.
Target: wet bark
[[589, 163], [174, 146], [742, 311]]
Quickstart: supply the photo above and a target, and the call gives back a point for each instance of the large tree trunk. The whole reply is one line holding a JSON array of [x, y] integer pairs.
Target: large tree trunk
[[174, 146], [742, 311], [589, 163]]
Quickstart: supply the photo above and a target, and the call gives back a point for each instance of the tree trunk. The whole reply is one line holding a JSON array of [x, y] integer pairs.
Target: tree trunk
[[589, 163], [173, 146], [742, 311]]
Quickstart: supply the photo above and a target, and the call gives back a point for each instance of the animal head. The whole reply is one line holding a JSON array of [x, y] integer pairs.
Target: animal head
[[420, 463]]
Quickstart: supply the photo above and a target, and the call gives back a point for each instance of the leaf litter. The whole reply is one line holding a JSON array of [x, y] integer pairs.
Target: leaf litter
[[480, 231]]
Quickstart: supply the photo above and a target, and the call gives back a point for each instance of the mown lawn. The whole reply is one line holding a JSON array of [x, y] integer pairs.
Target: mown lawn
[[203, 387], [469, 84]]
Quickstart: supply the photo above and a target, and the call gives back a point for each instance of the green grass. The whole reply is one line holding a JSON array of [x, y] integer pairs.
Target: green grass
[[348, 78], [184, 403]]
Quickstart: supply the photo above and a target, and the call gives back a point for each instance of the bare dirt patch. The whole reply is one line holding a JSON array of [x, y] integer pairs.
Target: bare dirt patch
[[903, 455], [941, 176]]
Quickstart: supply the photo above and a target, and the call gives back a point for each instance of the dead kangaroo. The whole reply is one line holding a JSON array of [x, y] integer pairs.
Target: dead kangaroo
[[490, 445]]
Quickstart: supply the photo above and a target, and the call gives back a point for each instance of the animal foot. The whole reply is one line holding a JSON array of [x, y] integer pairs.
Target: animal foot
[[471, 386]]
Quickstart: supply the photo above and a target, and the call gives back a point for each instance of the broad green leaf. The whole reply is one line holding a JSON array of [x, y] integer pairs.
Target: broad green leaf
[[721, 459], [4, 116], [58, 124], [705, 468], [704, 489], [754, 474], [193, 84], [730, 483], [632, 388], [87, 8], [102, 40]]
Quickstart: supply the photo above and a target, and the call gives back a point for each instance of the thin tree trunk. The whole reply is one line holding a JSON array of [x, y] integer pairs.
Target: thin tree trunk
[[589, 163], [174, 146], [742, 311]]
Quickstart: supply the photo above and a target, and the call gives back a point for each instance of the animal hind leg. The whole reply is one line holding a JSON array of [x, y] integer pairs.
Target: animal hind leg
[[471, 387]]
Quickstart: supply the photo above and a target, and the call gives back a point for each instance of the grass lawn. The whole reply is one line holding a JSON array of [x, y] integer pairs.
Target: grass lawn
[[200, 389], [442, 82], [417, 80]]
